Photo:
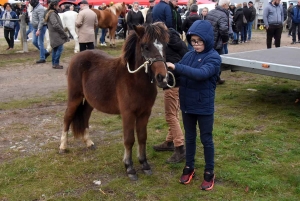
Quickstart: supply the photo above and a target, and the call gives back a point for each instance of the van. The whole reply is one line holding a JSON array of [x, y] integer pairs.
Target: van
[[286, 3]]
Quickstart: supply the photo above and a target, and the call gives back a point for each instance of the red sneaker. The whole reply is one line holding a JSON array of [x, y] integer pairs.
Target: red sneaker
[[187, 175], [208, 182]]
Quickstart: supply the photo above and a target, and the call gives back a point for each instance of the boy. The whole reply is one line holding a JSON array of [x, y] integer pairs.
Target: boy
[[199, 70]]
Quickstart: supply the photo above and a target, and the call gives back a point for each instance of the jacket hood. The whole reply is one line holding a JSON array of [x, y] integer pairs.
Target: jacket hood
[[204, 30]]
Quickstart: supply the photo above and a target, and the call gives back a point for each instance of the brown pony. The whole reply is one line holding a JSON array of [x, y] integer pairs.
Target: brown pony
[[118, 86], [108, 18]]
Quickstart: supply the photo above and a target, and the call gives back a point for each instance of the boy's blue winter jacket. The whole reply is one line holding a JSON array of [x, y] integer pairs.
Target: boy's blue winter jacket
[[199, 72]]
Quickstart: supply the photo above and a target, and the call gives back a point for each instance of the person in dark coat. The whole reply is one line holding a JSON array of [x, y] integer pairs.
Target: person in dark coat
[[134, 17], [295, 14], [232, 9], [190, 20], [289, 19], [175, 50], [252, 18], [162, 13], [176, 17], [9, 25], [57, 34], [247, 14], [149, 19], [238, 23], [203, 13], [219, 18], [199, 72]]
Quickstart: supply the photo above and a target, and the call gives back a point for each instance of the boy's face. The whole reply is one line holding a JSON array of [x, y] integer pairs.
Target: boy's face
[[197, 43]]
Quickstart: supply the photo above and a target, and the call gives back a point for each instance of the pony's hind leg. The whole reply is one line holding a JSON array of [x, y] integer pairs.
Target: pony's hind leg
[[86, 137], [69, 114], [141, 130], [128, 132]]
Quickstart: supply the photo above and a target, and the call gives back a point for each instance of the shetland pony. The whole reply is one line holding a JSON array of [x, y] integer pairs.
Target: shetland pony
[[118, 86]]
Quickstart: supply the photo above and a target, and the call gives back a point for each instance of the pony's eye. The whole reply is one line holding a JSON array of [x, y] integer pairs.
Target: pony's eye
[[146, 48]]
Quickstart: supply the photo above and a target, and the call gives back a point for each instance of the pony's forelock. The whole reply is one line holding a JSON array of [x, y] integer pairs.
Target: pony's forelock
[[156, 31]]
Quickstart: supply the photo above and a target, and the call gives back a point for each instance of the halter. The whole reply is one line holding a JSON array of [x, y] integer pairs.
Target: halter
[[147, 64]]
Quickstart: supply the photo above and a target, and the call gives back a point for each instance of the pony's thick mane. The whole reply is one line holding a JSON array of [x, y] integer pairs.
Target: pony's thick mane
[[156, 31]]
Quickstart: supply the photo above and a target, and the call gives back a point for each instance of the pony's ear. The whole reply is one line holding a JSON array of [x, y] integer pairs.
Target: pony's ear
[[139, 30]]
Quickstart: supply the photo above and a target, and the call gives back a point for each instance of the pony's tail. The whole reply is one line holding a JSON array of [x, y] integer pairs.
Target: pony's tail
[[79, 120]]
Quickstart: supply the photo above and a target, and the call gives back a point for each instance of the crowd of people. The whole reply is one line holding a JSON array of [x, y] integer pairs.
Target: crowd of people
[[196, 66]]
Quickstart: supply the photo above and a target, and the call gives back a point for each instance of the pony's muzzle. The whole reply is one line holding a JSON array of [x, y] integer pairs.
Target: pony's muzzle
[[162, 80]]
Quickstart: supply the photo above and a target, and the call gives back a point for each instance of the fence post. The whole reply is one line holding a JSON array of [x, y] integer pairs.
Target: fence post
[[23, 33]]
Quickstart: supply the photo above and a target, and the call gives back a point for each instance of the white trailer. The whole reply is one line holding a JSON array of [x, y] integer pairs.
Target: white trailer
[[278, 62]]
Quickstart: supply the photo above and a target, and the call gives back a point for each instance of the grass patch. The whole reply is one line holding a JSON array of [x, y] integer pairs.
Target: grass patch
[[54, 97], [256, 137]]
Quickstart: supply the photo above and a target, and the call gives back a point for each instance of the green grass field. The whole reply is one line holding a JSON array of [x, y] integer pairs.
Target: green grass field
[[256, 136]]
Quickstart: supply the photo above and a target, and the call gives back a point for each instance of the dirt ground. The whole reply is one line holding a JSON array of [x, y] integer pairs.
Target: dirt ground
[[25, 131]]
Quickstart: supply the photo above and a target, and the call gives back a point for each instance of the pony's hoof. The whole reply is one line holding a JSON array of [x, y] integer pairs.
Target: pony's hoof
[[92, 147], [133, 177], [63, 151], [148, 172]]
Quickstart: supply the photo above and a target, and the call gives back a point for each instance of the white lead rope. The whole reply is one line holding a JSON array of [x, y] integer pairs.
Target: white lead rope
[[174, 82], [145, 64], [141, 66]]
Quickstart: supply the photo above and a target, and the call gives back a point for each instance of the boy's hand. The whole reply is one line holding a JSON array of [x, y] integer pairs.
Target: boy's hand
[[170, 65]]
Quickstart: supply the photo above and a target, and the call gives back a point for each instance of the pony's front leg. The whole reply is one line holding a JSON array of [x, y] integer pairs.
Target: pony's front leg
[[128, 129], [112, 35], [141, 130]]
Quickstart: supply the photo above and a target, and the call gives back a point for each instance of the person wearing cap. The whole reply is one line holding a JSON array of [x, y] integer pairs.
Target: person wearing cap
[[199, 72], [251, 19], [149, 19], [273, 19], [86, 22], [57, 34]]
